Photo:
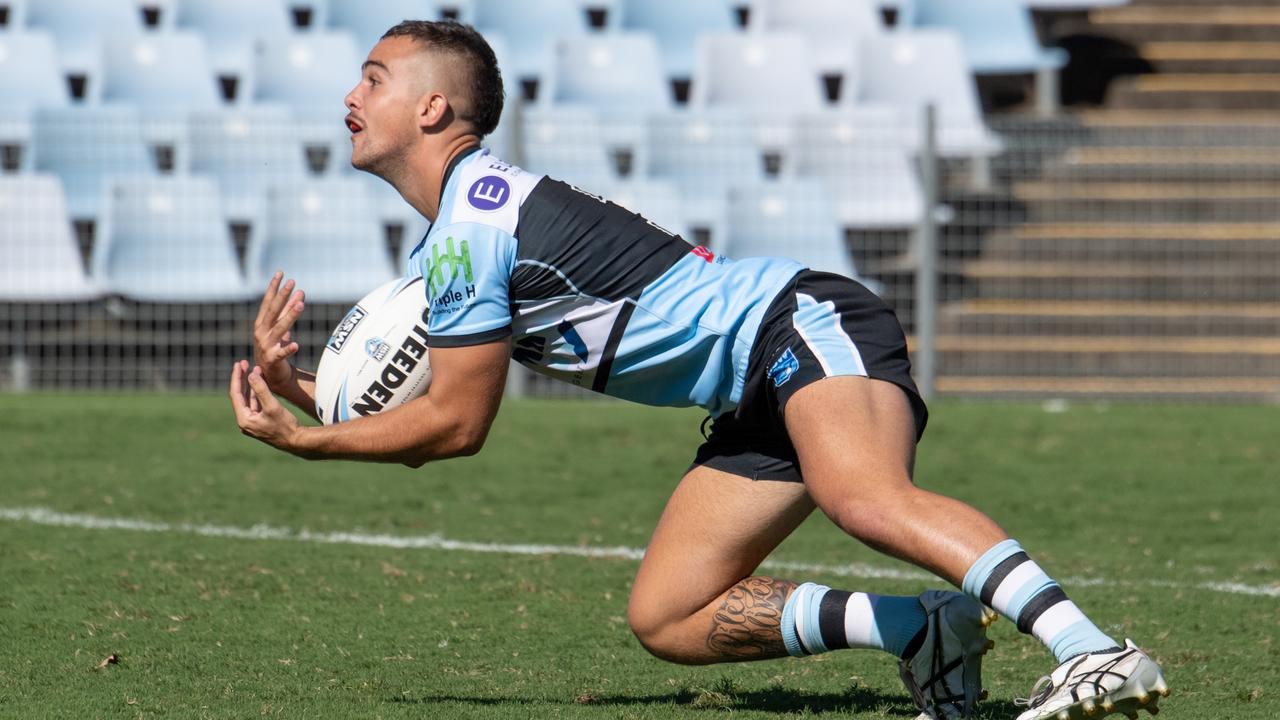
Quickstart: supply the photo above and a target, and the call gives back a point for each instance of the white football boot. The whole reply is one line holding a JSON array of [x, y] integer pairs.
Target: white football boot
[[945, 675], [1098, 684]]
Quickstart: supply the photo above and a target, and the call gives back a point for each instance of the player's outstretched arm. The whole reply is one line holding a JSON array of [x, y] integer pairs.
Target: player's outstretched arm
[[451, 420], [273, 344]]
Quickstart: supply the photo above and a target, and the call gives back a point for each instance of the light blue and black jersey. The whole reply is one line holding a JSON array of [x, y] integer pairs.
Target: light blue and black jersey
[[590, 292]]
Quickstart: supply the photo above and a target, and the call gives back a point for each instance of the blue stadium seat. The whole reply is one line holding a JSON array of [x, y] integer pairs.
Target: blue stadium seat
[[14, 15], [676, 24], [998, 35], [39, 257], [733, 69], [529, 27], [910, 69], [16, 134], [311, 72], [830, 27], [567, 144], [325, 234], [29, 74], [247, 150], [80, 28], [619, 73], [86, 146], [703, 150], [865, 161], [369, 19], [793, 219], [166, 240], [234, 32], [166, 73]]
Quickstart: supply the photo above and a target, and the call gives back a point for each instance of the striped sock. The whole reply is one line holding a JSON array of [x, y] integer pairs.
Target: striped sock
[[816, 619], [1008, 581]]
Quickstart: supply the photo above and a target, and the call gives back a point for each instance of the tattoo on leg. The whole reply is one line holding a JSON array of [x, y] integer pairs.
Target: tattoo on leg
[[748, 626]]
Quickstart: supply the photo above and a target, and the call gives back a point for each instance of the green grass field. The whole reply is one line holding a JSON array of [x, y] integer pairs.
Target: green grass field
[[1160, 521]]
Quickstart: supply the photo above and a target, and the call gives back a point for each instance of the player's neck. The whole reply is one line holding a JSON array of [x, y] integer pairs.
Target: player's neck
[[426, 175]]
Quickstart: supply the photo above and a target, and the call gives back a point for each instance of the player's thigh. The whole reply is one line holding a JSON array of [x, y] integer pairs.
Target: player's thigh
[[715, 530], [855, 437]]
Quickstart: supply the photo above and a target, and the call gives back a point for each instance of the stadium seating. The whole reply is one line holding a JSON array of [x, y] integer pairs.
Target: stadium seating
[[235, 31], [703, 150], [369, 19], [324, 233], [529, 26], [831, 28], [311, 72], [862, 156], [39, 258], [793, 219], [676, 24], [29, 74], [165, 240], [79, 29], [13, 15], [567, 143], [163, 73], [911, 69], [86, 146], [247, 150], [619, 73], [999, 39], [761, 73]]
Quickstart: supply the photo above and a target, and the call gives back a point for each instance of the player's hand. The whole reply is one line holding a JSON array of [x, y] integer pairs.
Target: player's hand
[[258, 413], [273, 342]]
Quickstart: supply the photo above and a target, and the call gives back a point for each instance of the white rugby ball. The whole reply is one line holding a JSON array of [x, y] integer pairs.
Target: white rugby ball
[[376, 358]]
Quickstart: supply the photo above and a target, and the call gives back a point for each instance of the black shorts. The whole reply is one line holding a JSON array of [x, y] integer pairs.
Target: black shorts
[[821, 325]]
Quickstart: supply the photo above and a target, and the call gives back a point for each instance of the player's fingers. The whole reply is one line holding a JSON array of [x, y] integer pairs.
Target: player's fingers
[[297, 297], [287, 317], [259, 387], [268, 296], [236, 391], [277, 303]]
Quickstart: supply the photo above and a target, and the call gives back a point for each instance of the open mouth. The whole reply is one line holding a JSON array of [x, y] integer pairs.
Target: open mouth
[[353, 126]]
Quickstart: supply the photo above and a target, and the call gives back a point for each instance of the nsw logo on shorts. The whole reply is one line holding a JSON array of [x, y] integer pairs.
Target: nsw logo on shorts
[[784, 368]]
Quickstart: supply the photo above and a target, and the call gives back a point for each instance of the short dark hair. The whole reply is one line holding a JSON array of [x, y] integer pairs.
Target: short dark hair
[[484, 83]]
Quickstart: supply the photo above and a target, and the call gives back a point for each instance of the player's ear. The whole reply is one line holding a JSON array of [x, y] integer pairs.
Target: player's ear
[[433, 111]]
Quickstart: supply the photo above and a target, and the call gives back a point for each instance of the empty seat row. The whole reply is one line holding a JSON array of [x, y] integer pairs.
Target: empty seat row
[[167, 239]]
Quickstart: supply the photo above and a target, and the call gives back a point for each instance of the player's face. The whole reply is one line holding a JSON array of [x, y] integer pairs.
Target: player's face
[[381, 114]]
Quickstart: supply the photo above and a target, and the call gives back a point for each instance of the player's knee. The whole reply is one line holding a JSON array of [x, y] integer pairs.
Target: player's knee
[[657, 631], [875, 518]]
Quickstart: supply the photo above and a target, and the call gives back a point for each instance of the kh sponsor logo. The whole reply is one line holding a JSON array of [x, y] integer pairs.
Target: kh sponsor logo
[[377, 348], [443, 268], [345, 328], [403, 362], [489, 193], [784, 368]]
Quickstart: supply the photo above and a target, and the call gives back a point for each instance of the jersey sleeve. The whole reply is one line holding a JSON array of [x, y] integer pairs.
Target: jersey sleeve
[[467, 272]]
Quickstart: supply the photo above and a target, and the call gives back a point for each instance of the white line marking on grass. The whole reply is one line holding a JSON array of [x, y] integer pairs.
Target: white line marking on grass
[[45, 516]]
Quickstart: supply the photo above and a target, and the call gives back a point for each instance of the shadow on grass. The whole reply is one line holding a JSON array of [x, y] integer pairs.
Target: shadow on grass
[[722, 697]]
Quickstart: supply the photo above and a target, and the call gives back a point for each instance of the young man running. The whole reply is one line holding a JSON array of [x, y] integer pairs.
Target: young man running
[[805, 373]]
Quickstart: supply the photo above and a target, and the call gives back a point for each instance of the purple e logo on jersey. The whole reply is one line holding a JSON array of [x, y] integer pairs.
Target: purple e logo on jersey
[[489, 193]]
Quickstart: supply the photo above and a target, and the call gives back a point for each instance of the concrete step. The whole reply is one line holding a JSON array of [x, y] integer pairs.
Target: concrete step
[[1051, 202], [1201, 3], [1181, 128], [1264, 389], [1110, 319], [1166, 164], [1192, 23], [1196, 91], [1217, 281], [1086, 356], [1135, 242], [1213, 57]]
